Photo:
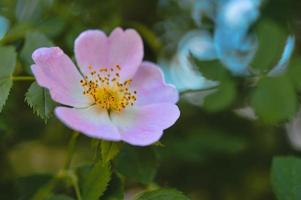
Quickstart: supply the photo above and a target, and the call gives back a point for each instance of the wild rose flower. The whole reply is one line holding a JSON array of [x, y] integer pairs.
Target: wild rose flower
[[112, 95]]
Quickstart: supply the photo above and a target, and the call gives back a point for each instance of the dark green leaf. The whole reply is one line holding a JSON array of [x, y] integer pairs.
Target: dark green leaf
[[212, 70], [138, 164], [271, 40], [294, 71], [223, 97], [33, 40], [7, 67], [96, 181], [274, 99], [60, 197], [286, 178], [115, 190], [162, 194], [40, 101], [27, 186]]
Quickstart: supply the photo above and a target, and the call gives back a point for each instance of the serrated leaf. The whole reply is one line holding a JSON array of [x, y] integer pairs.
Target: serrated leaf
[[33, 40], [162, 194], [115, 190], [60, 197], [286, 178], [109, 150], [96, 181], [7, 67], [139, 164], [40, 101], [274, 99]]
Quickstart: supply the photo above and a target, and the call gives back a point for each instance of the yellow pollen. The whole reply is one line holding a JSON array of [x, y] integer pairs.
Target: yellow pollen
[[106, 89]]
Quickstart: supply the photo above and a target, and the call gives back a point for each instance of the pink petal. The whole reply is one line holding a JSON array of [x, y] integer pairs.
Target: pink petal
[[151, 87], [91, 48], [91, 121], [55, 71], [124, 48], [144, 125]]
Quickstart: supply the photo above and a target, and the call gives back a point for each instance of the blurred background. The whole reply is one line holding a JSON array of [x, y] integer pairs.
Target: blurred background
[[239, 85]]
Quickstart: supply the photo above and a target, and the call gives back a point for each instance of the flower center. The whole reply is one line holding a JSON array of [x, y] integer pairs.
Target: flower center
[[106, 89]]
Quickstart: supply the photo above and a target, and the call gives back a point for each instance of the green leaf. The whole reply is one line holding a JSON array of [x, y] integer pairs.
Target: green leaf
[[60, 197], [96, 181], [212, 70], [274, 99], [223, 97], [162, 194], [286, 178], [271, 40], [7, 67], [109, 150], [294, 71], [27, 186], [33, 40], [40, 101], [138, 164], [115, 190]]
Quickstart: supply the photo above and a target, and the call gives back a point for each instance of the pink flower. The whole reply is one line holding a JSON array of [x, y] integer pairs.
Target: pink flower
[[114, 95]]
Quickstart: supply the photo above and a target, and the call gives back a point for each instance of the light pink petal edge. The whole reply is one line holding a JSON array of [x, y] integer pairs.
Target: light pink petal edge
[[151, 87], [144, 125], [91, 121], [122, 47], [55, 71]]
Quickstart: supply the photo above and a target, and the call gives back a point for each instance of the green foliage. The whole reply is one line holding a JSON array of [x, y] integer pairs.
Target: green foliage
[[109, 150], [286, 178], [60, 197], [96, 181], [138, 164], [7, 67], [271, 40], [162, 194], [202, 144], [27, 186], [274, 99], [212, 70], [40, 101], [294, 72], [223, 97], [115, 190], [33, 40], [225, 92]]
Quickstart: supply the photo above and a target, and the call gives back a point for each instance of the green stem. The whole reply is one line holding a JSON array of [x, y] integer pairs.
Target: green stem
[[22, 78], [71, 149], [77, 190]]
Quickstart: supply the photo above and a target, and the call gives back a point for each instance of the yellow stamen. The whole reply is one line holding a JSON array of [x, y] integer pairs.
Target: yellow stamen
[[106, 89]]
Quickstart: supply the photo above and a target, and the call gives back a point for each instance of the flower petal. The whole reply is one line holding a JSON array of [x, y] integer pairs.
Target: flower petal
[[151, 87], [124, 48], [91, 121], [55, 71], [91, 48], [144, 125]]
